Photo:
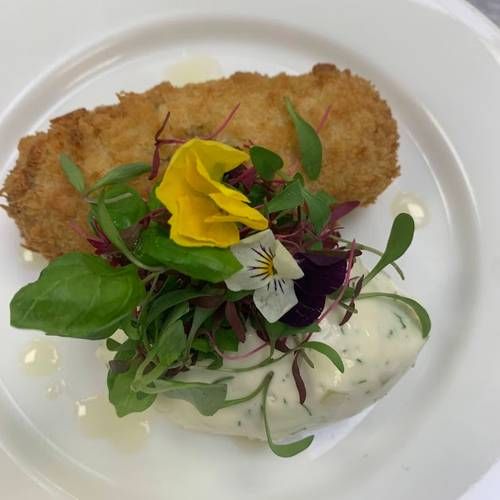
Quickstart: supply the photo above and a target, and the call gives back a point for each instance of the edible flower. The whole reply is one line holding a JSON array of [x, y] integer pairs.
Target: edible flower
[[205, 211], [269, 269], [323, 274]]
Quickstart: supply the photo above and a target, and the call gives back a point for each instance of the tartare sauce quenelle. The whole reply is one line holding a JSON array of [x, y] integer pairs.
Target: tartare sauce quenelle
[[377, 345]]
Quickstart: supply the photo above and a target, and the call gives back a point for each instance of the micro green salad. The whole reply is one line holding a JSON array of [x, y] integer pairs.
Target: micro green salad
[[224, 241]]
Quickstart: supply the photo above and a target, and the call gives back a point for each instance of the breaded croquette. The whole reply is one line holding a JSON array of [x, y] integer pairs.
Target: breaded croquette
[[359, 137]]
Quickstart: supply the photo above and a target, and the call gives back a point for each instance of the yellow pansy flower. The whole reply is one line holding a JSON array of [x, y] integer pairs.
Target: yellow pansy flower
[[204, 210]]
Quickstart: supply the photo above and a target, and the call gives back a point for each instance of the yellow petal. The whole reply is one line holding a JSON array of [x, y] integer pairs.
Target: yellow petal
[[174, 184], [189, 227], [217, 157], [236, 211], [208, 185]]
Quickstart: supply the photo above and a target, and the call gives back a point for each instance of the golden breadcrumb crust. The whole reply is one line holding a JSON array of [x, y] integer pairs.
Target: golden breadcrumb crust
[[360, 141]]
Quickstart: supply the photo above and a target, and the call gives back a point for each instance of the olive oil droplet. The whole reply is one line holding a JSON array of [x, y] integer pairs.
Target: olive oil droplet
[[40, 358]]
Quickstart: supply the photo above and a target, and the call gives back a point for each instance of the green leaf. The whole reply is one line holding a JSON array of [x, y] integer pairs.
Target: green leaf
[[319, 208], [130, 329], [153, 202], [171, 299], [106, 222], [72, 172], [172, 343], [209, 264], [121, 395], [257, 194], [328, 351], [420, 311], [128, 345], [78, 295], [201, 344], [400, 238], [201, 314], [278, 329], [206, 398], [125, 206], [120, 174], [282, 450], [235, 296], [265, 161], [311, 151], [226, 340], [292, 196]]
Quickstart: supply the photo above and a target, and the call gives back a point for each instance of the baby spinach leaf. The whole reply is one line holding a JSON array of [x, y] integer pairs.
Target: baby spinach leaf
[[319, 208], [328, 351], [201, 344], [292, 196], [265, 161], [125, 206], [282, 450], [420, 311], [206, 398], [171, 299], [400, 238], [122, 173], [121, 395], [72, 172], [106, 222], [172, 343], [78, 295], [226, 340], [311, 151], [200, 315], [209, 264]]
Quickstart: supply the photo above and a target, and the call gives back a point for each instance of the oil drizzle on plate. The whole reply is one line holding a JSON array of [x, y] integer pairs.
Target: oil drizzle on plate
[[98, 420], [194, 69], [40, 358], [56, 389], [410, 203], [33, 259]]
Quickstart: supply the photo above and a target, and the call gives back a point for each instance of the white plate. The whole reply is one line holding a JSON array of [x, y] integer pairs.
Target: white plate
[[437, 63]]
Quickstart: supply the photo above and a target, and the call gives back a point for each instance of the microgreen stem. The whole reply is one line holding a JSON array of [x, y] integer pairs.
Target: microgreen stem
[[361, 246], [324, 118], [224, 124], [235, 357], [248, 397]]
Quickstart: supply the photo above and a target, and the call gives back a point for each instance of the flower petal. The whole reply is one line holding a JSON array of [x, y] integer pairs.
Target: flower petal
[[188, 229], [307, 310], [199, 179], [218, 157], [252, 252], [275, 299], [323, 274], [238, 212], [285, 264], [174, 184]]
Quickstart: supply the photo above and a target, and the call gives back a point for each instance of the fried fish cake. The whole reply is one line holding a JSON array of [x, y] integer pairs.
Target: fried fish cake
[[359, 138]]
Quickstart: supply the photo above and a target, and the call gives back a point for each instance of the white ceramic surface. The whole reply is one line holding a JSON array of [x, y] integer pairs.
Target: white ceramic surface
[[437, 63]]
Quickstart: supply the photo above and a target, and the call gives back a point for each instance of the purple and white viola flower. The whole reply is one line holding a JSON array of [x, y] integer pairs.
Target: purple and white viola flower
[[269, 269]]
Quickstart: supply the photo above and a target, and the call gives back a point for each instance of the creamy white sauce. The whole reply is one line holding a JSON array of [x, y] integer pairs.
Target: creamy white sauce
[[410, 203], [378, 345]]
